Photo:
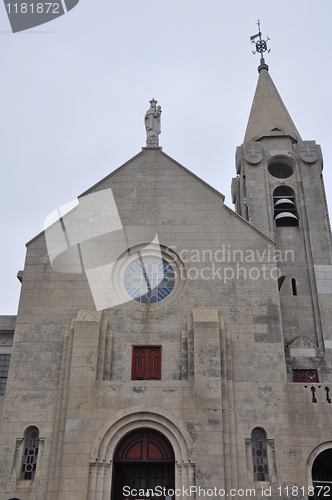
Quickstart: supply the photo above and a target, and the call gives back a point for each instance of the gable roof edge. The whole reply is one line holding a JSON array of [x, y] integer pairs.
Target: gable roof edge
[[194, 175], [111, 174], [250, 225]]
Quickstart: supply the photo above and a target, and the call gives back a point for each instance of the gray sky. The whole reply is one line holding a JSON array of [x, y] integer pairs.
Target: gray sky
[[74, 93]]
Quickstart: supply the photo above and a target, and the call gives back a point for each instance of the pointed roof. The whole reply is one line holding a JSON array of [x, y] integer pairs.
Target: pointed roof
[[268, 110]]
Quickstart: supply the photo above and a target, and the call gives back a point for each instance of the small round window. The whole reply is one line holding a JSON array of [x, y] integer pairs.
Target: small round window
[[149, 279], [281, 167]]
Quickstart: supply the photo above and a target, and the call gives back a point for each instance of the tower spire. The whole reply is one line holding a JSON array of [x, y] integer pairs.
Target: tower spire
[[268, 110]]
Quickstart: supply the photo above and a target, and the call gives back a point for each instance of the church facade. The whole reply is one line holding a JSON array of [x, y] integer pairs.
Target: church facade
[[167, 346]]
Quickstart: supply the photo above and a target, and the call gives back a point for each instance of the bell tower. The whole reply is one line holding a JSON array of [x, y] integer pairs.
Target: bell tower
[[279, 189]]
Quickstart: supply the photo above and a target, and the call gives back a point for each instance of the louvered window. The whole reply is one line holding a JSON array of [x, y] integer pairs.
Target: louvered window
[[285, 213], [146, 363]]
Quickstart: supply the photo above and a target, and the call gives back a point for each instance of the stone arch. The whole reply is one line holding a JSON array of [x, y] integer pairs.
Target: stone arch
[[312, 457], [125, 421]]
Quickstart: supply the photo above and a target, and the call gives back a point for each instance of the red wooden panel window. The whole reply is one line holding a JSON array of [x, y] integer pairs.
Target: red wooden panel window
[[305, 376], [146, 363]]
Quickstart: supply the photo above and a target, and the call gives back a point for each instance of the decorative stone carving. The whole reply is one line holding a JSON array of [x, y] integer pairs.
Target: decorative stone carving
[[253, 152], [308, 151], [152, 124]]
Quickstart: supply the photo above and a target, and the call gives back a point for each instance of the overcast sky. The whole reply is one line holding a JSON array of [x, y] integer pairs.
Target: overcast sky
[[74, 93]]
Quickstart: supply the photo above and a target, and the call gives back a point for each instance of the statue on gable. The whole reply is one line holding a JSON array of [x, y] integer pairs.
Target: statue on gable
[[152, 124]]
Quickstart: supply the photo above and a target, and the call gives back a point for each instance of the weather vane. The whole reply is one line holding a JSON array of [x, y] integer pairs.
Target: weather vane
[[261, 45]]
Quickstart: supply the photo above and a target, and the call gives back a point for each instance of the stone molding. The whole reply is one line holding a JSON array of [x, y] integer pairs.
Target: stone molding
[[124, 421]]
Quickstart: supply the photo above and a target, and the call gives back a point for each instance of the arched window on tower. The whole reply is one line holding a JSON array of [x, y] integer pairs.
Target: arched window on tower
[[259, 455], [285, 213], [30, 453]]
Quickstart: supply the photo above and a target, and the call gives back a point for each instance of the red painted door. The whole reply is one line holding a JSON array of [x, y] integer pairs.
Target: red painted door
[[144, 460]]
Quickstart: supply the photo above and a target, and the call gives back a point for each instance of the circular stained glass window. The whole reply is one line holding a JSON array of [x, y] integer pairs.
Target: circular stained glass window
[[149, 279]]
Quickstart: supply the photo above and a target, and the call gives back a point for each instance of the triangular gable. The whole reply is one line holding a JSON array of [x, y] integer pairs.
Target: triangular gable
[[183, 169], [186, 170]]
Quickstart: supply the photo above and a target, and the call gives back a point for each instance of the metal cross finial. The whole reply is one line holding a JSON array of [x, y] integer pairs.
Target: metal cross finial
[[261, 45]]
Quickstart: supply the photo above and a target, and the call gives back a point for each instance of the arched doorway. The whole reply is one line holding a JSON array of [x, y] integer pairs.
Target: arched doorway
[[144, 460], [322, 474]]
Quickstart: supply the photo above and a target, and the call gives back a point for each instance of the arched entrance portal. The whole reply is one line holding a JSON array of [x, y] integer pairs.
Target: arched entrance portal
[[322, 474], [144, 460]]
